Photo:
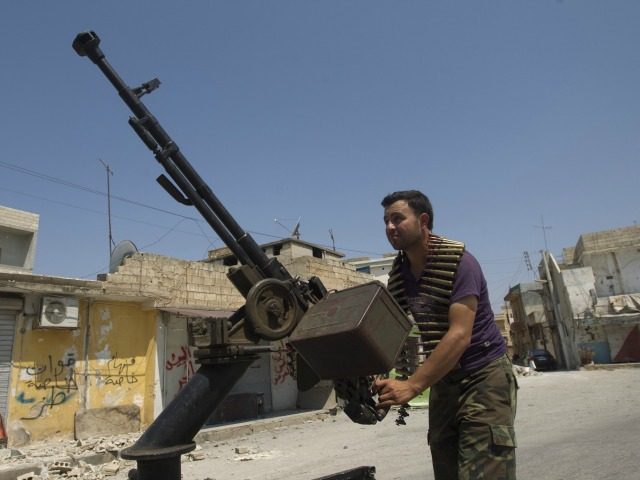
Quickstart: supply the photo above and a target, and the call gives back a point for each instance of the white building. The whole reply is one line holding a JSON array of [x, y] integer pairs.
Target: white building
[[378, 267], [18, 233]]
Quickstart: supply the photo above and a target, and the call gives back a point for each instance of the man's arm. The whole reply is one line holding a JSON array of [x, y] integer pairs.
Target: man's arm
[[443, 358]]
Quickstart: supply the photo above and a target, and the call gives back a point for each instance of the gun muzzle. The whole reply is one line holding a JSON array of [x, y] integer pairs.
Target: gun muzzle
[[86, 45]]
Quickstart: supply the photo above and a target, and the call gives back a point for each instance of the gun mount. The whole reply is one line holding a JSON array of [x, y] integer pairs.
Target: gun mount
[[350, 336]]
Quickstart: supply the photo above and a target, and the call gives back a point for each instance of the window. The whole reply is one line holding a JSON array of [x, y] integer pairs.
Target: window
[[364, 269], [276, 249], [317, 252]]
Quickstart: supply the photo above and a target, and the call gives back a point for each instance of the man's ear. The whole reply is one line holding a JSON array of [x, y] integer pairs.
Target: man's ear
[[424, 219]]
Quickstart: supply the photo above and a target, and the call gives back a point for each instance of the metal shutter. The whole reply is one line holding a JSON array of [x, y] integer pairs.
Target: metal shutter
[[7, 327]]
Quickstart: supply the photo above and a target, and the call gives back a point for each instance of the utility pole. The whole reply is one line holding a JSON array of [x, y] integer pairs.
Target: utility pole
[[544, 232], [109, 173], [527, 262]]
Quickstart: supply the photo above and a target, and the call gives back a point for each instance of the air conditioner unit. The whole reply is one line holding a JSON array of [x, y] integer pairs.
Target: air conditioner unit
[[59, 312]]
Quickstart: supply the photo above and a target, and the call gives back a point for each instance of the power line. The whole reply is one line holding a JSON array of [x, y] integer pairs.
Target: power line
[[66, 183], [69, 184], [121, 217]]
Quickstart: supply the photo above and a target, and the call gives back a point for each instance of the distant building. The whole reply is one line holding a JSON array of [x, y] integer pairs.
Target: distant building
[[285, 248], [18, 234], [504, 320], [591, 299], [378, 267], [530, 327]]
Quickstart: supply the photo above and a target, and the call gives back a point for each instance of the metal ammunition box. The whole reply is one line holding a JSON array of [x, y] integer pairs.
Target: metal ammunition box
[[357, 331]]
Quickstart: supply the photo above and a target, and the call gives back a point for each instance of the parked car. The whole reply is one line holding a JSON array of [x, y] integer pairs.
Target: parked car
[[542, 359]]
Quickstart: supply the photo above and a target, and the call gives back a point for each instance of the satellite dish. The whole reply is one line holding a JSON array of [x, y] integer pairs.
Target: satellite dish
[[123, 250], [295, 233]]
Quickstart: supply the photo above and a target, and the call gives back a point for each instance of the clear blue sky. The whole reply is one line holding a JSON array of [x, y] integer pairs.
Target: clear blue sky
[[503, 112]]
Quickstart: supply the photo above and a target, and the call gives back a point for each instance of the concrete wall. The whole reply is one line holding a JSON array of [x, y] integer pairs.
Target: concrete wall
[[614, 256], [108, 361], [574, 287], [170, 282], [335, 274], [616, 272]]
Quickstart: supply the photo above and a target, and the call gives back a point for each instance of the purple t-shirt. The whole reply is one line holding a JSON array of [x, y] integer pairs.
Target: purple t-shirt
[[486, 343]]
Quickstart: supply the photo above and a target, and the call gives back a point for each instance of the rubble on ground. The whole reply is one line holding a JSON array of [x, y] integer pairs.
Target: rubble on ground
[[70, 459], [520, 371]]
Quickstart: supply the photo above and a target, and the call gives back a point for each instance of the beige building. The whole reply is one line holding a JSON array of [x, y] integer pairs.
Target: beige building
[[81, 346]]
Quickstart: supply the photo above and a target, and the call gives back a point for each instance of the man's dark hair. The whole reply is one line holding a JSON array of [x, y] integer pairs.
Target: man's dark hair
[[417, 201]]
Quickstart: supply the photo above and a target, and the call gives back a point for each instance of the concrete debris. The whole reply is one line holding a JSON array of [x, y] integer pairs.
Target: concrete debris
[[70, 459], [111, 468], [242, 450], [27, 476], [76, 448], [9, 453], [520, 371], [195, 456], [76, 472], [60, 467]]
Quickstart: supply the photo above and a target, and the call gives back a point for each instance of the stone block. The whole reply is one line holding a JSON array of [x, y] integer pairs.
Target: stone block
[[27, 476], [107, 421]]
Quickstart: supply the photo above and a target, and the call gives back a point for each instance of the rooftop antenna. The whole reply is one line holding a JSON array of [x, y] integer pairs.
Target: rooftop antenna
[[109, 173], [293, 233], [333, 240], [544, 232]]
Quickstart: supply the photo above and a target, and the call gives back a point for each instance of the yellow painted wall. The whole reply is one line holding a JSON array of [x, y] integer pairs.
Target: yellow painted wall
[[107, 361], [121, 359], [45, 391]]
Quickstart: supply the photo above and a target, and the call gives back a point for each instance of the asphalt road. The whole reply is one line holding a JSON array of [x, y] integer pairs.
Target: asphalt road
[[570, 426]]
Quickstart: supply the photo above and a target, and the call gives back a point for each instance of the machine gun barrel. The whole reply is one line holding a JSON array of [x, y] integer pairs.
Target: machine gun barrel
[[192, 188], [346, 325]]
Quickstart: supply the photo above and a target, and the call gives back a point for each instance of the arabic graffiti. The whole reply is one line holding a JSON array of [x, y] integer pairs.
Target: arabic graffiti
[[51, 384], [54, 382], [282, 362], [183, 359], [117, 371]]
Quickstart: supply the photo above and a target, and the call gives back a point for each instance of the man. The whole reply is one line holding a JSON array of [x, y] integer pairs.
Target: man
[[472, 398]]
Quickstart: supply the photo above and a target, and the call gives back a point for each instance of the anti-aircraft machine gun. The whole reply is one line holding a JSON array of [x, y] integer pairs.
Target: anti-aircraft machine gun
[[346, 336]]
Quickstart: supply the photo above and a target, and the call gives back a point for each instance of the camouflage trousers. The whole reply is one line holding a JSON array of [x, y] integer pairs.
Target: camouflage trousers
[[471, 417]]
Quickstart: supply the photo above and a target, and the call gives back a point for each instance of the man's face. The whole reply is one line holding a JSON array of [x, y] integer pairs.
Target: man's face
[[404, 228]]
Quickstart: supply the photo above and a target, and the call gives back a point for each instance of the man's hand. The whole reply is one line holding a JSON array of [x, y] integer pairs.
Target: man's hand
[[394, 392]]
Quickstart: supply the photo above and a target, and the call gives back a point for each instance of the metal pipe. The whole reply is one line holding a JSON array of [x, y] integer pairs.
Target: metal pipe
[[158, 450]]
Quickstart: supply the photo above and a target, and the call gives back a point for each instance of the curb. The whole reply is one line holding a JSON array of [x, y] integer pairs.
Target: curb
[[609, 366], [235, 430]]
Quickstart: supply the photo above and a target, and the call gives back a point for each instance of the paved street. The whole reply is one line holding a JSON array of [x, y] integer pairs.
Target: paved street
[[570, 425]]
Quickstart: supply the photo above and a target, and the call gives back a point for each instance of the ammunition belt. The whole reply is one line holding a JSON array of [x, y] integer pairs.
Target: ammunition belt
[[436, 286]]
